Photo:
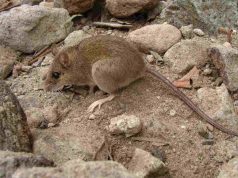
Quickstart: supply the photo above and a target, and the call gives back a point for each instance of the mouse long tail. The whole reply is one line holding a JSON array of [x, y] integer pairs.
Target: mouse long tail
[[189, 102]]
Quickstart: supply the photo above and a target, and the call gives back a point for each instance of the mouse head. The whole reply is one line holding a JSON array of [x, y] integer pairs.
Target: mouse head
[[63, 71]]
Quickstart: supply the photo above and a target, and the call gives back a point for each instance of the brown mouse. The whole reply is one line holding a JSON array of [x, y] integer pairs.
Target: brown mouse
[[110, 63]]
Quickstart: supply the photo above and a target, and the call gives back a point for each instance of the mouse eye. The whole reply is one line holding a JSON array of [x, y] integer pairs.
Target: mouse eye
[[55, 75]]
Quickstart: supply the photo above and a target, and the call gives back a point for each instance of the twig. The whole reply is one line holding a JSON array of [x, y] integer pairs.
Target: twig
[[149, 140], [112, 25], [186, 80], [43, 52], [194, 72], [183, 84]]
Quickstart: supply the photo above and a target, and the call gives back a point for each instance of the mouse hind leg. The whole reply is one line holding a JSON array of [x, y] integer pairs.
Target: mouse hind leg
[[108, 79]]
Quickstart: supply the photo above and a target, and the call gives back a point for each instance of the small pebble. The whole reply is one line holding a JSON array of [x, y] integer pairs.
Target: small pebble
[[109, 32], [210, 127], [198, 32], [207, 71], [218, 81], [172, 112], [125, 124], [92, 117], [227, 44], [86, 28], [150, 58]]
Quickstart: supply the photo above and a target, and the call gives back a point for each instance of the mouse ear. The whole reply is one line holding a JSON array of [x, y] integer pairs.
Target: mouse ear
[[64, 60]]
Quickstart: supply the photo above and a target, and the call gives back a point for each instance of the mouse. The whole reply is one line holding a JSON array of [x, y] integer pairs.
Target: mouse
[[110, 63]]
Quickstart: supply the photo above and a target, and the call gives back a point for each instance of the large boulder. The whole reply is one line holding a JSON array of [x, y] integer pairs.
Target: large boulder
[[74, 6], [158, 38], [208, 15], [30, 28], [126, 8]]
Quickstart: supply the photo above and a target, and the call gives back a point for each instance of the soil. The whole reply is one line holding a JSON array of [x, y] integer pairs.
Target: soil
[[177, 138]]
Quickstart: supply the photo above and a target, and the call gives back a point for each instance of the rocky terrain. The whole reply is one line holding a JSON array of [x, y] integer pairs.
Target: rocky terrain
[[146, 131]]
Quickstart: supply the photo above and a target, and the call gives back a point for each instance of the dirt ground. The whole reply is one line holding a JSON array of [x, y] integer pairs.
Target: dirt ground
[[168, 122]]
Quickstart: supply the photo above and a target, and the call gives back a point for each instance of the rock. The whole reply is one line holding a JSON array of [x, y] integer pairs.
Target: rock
[[158, 38], [225, 150], [203, 131], [38, 172], [208, 15], [95, 169], [126, 8], [11, 161], [230, 169], [35, 117], [15, 134], [125, 124], [143, 164], [75, 37], [198, 32], [186, 54], [30, 28], [218, 104], [56, 144], [74, 6], [150, 58], [187, 31], [227, 44], [226, 61], [78, 169], [7, 60]]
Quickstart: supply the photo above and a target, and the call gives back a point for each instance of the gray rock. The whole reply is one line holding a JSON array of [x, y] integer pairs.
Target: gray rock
[[126, 8], [15, 134], [208, 15], [125, 124], [74, 6], [225, 150], [75, 37], [158, 38], [143, 164], [198, 32], [218, 104], [226, 61], [186, 54], [7, 60], [59, 147], [230, 169], [30, 28], [78, 169], [38, 172], [95, 169], [187, 31], [11, 161]]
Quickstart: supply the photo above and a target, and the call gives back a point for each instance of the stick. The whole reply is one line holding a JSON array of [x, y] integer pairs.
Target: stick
[[112, 25]]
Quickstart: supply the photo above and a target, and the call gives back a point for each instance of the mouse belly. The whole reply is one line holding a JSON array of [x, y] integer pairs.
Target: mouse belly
[[111, 76]]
